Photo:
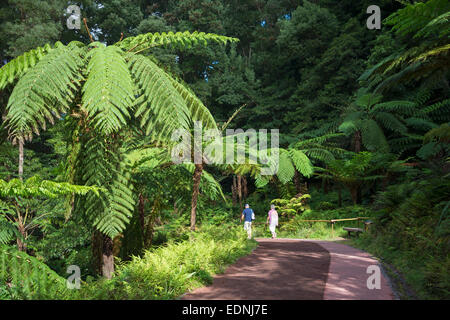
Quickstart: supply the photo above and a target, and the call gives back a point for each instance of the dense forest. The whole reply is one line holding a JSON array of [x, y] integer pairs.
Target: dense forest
[[86, 174]]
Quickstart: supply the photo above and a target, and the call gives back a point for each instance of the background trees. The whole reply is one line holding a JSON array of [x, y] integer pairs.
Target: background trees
[[363, 116]]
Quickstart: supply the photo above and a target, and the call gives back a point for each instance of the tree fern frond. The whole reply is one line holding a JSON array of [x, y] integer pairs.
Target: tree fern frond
[[160, 106], [178, 40], [44, 91], [420, 123], [198, 111], [15, 68], [286, 169], [29, 277], [373, 137], [400, 107], [108, 91], [439, 25], [301, 162], [389, 121], [102, 163]]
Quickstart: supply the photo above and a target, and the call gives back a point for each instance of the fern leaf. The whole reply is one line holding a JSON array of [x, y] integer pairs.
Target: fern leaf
[[108, 91], [44, 91]]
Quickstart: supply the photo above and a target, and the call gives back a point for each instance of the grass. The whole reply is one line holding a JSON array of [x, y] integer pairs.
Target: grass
[[297, 229]]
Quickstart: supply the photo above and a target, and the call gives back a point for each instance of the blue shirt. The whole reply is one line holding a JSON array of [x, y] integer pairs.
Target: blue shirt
[[247, 214]]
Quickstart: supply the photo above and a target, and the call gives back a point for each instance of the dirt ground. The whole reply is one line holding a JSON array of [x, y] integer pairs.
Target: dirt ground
[[286, 269]]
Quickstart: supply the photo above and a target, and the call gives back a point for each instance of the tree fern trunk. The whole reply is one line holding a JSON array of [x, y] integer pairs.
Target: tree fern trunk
[[298, 186], [21, 245], [21, 159], [239, 190], [244, 187], [233, 191], [141, 208], [357, 141], [195, 191], [339, 196], [107, 257], [354, 194]]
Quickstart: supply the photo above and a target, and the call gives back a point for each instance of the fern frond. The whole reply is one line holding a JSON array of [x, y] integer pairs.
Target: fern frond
[[417, 16], [178, 40], [29, 277], [15, 68], [397, 106], [198, 111], [102, 163], [108, 91], [36, 187], [390, 122], [44, 91], [420, 123], [301, 162], [286, 169], [160, 106], [373, 137]]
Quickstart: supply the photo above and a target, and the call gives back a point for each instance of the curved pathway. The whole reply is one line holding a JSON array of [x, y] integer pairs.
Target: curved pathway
[[287, 269]]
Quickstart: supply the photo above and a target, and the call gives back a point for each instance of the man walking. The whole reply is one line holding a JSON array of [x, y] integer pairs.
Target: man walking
[[248, 215]]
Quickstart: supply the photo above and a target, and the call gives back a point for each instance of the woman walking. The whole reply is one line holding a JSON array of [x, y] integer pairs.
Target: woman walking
[[272, 220]]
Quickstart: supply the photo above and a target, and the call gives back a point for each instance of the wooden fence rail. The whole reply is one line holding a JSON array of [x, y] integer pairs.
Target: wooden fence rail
[[332, 221]]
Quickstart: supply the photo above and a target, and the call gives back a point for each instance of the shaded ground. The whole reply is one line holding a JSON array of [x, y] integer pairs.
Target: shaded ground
[[288, 269], [274, 271]]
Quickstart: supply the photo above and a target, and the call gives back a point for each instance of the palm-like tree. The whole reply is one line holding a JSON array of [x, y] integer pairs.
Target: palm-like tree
[[368, 120], [101, 92]]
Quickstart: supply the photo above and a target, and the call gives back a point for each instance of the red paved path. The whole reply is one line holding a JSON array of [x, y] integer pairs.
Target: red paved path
[[287, 269]]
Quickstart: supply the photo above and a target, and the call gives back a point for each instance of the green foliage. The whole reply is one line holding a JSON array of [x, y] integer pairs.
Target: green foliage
[[105, 99], [36, 187], [45, 91], [25, 277], [17, 67], [179, 40], [169, 271], [421, 18], [293, 207], [405, 233]]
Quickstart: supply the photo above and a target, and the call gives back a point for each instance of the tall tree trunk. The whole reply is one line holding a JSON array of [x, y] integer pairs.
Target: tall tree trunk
[[244, 187], [107, 257], [141, 209], [97, 245], [340, 196], [239, 190], [357, 141], [358, 195], [297, 182], [21, 245], [354, 194], [21, 158], [195, 191], [234, 191]]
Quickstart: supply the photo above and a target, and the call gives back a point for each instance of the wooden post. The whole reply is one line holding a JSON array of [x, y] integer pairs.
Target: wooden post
[[332, 229]]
